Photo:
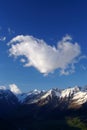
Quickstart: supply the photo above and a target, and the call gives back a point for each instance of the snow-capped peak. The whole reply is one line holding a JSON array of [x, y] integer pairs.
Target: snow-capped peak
[[46, 94], [75, 94], [50, 93], [36, 91], [22, 97], [70, 91], [61, 93]]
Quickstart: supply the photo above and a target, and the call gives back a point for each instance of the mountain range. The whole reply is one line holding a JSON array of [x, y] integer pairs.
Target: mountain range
[[54, 109]]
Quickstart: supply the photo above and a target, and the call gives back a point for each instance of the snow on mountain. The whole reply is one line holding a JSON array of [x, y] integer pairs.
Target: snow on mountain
[[52, 92], [29, 95], [69, 92], [47, 94], [80, 97], [75, 94], [61, 93]]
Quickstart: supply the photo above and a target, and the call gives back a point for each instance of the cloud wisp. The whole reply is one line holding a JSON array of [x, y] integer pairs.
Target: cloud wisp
[[46, 58], [2, 39], [10, 31], [3, 88]]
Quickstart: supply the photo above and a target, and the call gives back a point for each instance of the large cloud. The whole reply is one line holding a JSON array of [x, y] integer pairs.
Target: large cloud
[[43, 57]]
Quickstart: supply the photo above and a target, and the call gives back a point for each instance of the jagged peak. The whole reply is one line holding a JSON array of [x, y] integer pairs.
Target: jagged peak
[[51, 92], [70, 91]]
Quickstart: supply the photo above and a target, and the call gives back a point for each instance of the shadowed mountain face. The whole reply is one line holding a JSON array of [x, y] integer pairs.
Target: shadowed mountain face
[[43, 110]]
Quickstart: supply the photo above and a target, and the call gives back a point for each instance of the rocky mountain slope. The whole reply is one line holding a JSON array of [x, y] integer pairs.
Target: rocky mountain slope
[[24, 109]]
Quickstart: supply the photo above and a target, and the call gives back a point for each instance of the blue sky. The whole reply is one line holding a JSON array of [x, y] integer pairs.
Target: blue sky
[[51, 21]]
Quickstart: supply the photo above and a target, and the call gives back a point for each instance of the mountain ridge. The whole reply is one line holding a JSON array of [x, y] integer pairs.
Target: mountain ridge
[[74, 93], [24, 110]]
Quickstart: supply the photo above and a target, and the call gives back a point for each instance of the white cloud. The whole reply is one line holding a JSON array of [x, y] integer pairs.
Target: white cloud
[[14, 89], [2, 38], [44, 57]]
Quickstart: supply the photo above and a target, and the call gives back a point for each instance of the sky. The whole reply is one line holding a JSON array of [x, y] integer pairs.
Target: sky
[[43, 43]]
